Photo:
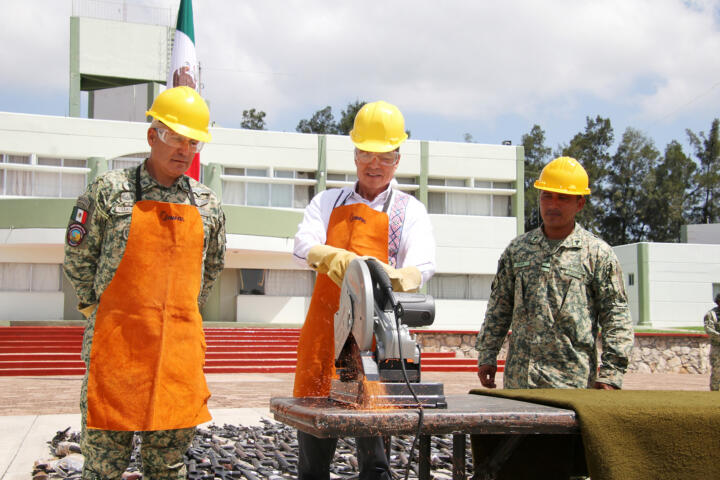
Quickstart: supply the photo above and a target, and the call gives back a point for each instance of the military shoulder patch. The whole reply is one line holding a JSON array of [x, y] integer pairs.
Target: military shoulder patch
[[75, 234], [79, 215]]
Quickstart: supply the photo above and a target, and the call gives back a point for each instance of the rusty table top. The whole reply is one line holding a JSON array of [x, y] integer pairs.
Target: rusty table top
[[323, 417]]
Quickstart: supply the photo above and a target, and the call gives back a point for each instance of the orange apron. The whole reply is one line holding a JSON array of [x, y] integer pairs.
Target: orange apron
[[148, 348], [356, 228]]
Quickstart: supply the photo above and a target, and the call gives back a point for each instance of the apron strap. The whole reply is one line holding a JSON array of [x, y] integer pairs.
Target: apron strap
[[387, 201], [338, 199], [138, 187]]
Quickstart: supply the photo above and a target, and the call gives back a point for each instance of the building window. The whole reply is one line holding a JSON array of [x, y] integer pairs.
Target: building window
[[337, 180], [716, 289], [30, 277], [43, 177], [469, 197], [631, 279], [251, 281], [277, 283], [408, 185], [284, 188], [460, 287], [127, 161]]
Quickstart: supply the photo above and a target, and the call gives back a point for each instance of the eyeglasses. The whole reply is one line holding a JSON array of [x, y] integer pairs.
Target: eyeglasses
[[387, 158], [176, 140]]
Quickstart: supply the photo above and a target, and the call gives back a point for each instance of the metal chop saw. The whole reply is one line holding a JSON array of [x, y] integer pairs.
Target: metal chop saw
[[376, 358]]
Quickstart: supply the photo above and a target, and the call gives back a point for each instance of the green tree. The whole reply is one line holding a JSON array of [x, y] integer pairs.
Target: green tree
[[668, 195], [628, 180], [253, 119], [347, 118], [537, 155], [591, 148], [707, 176], [322, 121]]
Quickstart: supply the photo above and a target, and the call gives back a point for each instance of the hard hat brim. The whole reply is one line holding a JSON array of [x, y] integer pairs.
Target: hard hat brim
[[183, 130], [376, 146], [566, 191]]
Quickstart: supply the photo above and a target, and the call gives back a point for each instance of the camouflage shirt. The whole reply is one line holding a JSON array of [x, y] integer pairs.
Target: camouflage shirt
[[555, 299], [712, 326], [91, 258]]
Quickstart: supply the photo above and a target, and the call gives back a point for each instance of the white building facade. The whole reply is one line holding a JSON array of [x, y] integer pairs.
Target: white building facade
[[670, 284]]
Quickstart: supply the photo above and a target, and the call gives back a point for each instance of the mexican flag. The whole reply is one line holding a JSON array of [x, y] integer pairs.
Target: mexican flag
[[184, 65]]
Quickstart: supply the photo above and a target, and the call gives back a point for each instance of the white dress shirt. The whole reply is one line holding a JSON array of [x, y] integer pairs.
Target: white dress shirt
[[417, 244]]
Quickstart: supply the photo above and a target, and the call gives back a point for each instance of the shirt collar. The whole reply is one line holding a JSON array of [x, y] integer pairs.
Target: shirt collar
[[147, 181], [571, 241], [382, 196]]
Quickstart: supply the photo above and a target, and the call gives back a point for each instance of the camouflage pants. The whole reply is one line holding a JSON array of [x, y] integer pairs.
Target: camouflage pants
[[107, 452], [715, 367]]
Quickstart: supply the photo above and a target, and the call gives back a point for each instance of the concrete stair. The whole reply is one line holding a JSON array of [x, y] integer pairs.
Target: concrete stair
[[55, 350]]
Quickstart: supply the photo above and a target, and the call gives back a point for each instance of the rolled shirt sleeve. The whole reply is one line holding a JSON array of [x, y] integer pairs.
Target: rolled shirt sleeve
[[81, 261]]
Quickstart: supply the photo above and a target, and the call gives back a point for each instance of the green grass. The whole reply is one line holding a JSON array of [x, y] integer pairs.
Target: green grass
[[681, 329]]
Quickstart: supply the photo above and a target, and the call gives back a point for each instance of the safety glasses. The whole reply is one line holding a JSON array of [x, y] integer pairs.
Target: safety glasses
[[176, 140], [387, 158]]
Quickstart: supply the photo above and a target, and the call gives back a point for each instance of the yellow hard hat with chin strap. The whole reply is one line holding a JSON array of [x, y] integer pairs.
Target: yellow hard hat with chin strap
[[564, 175], [379, 127], [184, 111]]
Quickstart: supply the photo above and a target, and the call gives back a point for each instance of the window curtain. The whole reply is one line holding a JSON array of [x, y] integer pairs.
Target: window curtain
[[289, 283], [233, 193], [258, 194], [460, 287], [45, 277], [452, 287], [47, 184], [125, 162], [18, 183], [29, 277]]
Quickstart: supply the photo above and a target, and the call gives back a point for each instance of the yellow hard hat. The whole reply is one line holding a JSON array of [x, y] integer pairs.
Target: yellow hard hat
[[184, 111], [564, 175], [379, 127]]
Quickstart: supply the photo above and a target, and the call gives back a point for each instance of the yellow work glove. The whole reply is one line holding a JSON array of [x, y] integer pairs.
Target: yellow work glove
[[87, 310], [331, 261], [407, 279]]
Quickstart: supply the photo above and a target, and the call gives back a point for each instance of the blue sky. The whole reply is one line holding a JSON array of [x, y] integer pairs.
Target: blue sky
[[490, 69]]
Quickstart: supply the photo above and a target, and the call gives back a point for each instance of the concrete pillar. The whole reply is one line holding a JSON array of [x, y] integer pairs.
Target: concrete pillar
[[422, 194], [212, 178], [518, 200], [74, 94], [97, 165], [322, 164], [643, 269]]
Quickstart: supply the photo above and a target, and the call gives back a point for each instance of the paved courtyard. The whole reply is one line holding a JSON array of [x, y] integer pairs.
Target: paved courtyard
[[59, 395]]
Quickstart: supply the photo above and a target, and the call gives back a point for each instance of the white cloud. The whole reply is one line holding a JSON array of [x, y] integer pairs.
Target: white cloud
[[35, 37], [453, 59]]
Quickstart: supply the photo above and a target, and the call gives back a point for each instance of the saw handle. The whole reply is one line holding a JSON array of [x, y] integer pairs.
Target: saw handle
[[383, 288]]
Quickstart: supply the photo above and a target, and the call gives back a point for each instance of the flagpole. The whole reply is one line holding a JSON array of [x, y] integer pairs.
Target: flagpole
[[184, 67]]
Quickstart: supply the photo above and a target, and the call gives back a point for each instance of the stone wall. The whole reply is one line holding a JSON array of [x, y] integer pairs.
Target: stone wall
[[652, 353]]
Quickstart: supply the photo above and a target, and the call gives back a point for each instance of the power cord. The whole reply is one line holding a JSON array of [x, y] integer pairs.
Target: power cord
[[384, 283]]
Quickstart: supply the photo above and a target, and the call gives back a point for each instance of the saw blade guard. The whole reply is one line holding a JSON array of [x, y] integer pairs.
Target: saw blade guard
[[356, 310]]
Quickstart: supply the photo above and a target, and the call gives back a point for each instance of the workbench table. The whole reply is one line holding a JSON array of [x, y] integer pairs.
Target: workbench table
[[465, 414]]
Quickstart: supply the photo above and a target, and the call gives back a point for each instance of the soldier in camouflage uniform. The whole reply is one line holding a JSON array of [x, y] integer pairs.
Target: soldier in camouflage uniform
[[144, 247], [712, 327], [556, 287]]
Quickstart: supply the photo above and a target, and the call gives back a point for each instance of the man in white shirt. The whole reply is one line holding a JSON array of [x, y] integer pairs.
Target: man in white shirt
[[370, 219]]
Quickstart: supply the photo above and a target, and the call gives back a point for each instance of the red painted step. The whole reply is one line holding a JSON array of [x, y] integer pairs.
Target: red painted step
[[49, 350]]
